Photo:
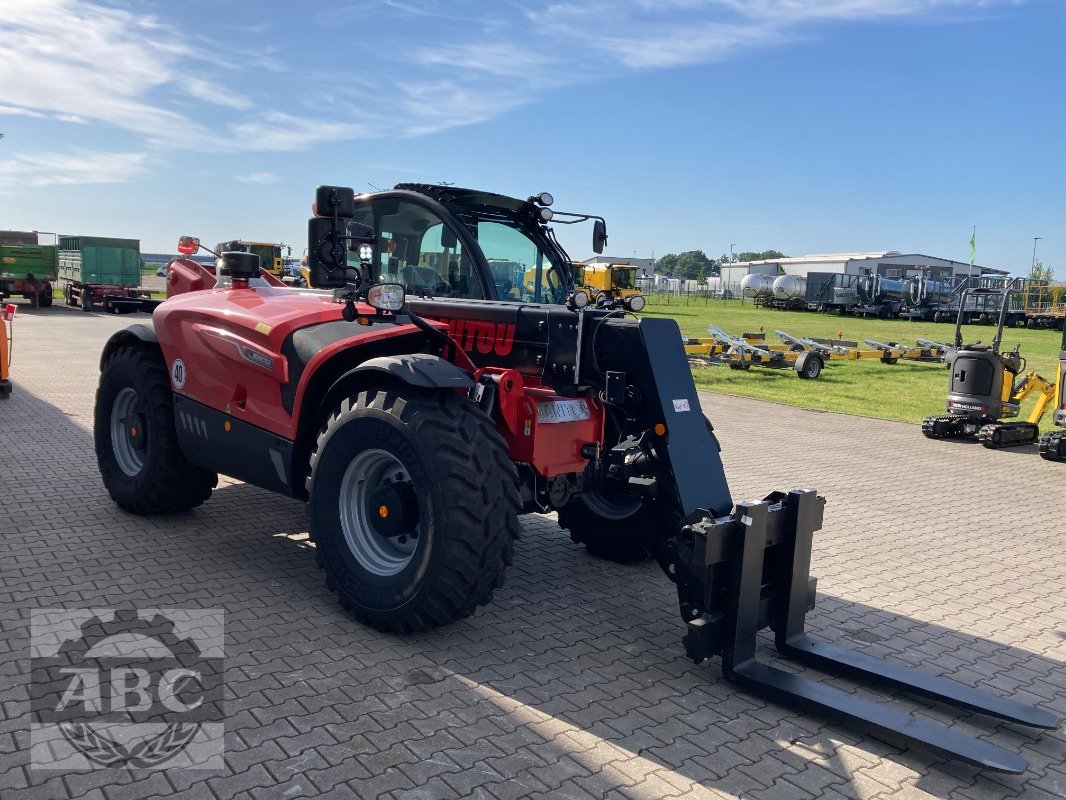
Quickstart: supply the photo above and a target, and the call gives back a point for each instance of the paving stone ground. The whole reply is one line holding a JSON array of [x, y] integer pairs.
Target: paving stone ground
[[573, 683]]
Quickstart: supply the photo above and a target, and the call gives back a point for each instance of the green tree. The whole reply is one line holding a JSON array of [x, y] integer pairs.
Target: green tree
[[765, 255], [1040, 273], [691, 263], [666, 264]]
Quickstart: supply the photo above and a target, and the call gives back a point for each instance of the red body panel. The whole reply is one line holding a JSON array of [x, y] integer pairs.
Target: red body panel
[[185, 275], [552, 447], [229, 341]]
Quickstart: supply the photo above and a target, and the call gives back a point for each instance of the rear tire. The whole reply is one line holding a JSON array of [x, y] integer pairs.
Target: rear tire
[[44, 296], [431, 471], [137, 446]]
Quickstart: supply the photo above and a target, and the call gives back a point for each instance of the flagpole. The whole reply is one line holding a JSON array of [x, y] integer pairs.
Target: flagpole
[[973, 249]]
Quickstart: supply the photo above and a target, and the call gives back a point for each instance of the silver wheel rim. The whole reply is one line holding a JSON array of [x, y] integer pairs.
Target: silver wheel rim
[[124, 421], [368, 472]]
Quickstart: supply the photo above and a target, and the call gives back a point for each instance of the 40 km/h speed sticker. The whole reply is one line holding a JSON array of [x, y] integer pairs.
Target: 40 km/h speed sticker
[[178, 373]]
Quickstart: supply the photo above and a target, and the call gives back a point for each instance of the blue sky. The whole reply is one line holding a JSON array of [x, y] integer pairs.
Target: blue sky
[[802, 125]]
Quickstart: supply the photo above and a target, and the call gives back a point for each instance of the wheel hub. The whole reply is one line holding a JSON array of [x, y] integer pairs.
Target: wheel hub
[[392, 510], [379, 512], [129, 431]]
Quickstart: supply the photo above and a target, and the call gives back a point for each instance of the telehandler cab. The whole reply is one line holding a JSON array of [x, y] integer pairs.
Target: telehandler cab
[[417, 429], [982, 392]]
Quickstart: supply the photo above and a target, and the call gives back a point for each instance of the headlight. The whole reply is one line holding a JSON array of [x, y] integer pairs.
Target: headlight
[[545, 214], [578, 299], [366, 252], [386, 296], [635, 302], [544, 199]]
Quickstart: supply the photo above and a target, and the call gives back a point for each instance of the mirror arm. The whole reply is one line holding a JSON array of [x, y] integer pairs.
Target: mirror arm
[[428, 329]]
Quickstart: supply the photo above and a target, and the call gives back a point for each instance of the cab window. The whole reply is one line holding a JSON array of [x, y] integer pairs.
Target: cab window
[[417, 249], [520, 269]]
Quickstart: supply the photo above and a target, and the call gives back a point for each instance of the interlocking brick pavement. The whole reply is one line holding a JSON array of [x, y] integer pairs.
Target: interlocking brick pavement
[[573, 682]]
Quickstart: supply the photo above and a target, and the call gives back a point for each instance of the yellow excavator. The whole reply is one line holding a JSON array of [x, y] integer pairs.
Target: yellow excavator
[[987, 388], [1053, 444]]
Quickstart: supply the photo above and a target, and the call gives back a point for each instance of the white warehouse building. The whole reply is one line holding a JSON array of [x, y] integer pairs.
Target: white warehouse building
[[889, 264]]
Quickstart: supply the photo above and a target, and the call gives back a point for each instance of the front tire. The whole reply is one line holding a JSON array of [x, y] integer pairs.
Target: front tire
[[414, 508], [137, 446], [609, 528]]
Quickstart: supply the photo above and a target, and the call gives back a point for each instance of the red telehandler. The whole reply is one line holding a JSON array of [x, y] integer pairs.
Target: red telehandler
[[418, 416]]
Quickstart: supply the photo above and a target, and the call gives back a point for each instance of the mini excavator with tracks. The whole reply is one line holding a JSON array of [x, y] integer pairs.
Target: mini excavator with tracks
[[988, 386]]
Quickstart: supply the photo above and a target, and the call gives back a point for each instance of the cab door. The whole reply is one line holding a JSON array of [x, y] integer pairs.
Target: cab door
[[419, 249]]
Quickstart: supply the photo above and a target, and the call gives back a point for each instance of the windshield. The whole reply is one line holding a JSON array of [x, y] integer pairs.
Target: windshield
[[520, 267], [625, 277]]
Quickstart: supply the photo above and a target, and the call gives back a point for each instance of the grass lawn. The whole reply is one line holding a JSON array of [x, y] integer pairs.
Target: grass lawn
[[907, 391]]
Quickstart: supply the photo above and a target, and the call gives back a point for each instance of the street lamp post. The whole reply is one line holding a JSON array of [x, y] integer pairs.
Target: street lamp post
[[731, 246], [1035, 240]]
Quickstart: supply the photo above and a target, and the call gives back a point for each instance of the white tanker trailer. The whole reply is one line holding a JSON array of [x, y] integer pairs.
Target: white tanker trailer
[[755, 284], [790, 287]]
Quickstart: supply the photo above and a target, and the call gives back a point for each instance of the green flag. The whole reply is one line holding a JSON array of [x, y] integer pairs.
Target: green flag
[[973, 247]]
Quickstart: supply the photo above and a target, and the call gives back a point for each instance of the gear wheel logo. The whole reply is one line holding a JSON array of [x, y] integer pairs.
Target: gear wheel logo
[[128, 689]]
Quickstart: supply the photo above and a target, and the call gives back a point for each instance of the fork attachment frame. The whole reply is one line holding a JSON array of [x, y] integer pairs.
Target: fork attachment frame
[[748, 571]]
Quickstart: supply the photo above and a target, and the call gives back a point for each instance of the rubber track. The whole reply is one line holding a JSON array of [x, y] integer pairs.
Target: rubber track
[[1008, 434], [1053, 446]]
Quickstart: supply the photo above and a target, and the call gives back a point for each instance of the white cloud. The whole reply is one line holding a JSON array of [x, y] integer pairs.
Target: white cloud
[[80, 61], [262, 178], [69, 168]]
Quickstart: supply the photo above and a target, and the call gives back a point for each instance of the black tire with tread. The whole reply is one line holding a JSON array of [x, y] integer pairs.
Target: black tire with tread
[[624, 541], [168, 483], [467, 486]]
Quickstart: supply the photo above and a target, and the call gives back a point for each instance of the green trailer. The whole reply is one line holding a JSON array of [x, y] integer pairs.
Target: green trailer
[[97, 269], [27, 269]]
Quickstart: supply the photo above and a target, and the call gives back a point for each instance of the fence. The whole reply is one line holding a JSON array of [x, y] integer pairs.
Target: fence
[[688, 292]]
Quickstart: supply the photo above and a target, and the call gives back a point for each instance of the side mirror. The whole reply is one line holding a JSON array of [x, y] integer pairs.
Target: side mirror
[[326, 258], [599, 236], [334, 201], [188, 245]]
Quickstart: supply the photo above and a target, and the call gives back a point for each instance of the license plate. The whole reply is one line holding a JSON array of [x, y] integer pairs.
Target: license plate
[[562, 411]]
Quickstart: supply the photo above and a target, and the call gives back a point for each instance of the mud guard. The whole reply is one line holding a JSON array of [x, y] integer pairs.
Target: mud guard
[[420, 370], [133, 335]]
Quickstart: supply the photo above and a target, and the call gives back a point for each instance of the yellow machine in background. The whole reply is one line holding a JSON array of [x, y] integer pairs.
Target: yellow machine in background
[[607, 281], [1053, 443], [269, 253]]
